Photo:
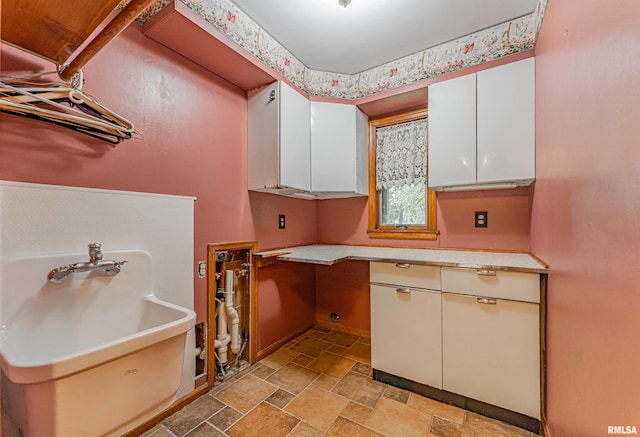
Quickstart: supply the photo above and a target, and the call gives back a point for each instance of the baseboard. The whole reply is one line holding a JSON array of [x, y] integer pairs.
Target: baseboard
[[342, 328], [507, 416], [176, 406], [545, 428], [277, 345]]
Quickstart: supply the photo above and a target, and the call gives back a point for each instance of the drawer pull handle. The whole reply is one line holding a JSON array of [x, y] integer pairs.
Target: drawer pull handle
[[403, 290], [403, 265], [486, 300], [485, 272]]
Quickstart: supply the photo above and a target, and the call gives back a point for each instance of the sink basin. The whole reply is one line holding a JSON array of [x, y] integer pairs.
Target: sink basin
[[92, 355]]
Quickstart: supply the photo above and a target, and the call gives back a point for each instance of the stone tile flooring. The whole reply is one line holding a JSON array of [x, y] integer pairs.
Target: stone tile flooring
[[320, 385]]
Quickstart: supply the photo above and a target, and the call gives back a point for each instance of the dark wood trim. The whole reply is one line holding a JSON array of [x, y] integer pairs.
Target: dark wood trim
[[498, 413], [543, 350]]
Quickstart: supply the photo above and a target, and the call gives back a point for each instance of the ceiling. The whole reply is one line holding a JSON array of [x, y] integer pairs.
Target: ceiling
[[327, 37]]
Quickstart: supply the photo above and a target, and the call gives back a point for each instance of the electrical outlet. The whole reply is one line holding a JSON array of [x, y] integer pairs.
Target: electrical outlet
[[202, 269], [281, 221], [481, 219]]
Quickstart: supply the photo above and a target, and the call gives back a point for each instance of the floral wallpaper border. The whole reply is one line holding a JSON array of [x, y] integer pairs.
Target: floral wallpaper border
[[493, 43]]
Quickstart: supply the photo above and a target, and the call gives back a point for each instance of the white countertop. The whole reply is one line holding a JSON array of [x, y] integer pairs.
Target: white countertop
[[331, 254]]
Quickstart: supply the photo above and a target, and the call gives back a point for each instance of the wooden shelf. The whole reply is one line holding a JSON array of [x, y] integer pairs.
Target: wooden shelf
[[55, 30]]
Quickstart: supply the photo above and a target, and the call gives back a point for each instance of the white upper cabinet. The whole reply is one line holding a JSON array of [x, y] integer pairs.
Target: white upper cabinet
[[279, 135], [482, 129], [452, 132], [310, 150], [506, 122], [338, 149]]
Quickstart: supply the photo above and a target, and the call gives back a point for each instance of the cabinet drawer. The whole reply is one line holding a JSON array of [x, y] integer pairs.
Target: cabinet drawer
[[406, 275], [497, 284]]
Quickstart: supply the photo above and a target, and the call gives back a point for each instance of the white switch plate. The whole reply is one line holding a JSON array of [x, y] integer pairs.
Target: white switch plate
[[202, 269]]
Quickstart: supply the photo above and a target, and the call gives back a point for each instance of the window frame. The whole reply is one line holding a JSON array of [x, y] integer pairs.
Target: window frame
[[410, 232]]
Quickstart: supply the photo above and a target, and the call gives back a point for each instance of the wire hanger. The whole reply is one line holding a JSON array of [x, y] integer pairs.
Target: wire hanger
[[65, 104]]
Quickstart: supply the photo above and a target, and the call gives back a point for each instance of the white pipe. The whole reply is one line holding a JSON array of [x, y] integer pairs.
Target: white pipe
[[223, 337], [231, 312]]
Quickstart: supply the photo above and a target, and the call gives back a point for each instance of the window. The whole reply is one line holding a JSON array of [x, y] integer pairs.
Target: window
[[400, 204]]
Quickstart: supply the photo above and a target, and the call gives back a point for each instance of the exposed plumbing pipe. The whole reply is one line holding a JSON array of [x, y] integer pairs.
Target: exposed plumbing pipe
[[222, 338], [231, 312], [226, 310]]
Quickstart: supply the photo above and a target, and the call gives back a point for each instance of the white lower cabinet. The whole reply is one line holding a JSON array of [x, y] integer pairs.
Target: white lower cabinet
[[491, 351], [406, 336], [406, 321], [475, 333]]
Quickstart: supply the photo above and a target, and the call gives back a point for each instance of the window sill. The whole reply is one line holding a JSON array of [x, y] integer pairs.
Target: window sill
[[408, 234]]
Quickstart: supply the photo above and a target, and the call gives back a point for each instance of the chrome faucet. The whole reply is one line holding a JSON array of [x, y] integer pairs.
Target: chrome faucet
[[95, 254], [110, 267]]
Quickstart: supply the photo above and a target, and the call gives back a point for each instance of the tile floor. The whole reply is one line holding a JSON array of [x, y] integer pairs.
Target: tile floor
[[320, 385]]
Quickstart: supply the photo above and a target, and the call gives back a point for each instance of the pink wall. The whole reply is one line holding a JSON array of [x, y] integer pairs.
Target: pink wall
[[288, 289], [344, 289], [585, 211], [344, 221], [193, 142]]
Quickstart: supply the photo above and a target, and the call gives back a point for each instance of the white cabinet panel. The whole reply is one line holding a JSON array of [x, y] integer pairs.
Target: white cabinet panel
[[279, 139], [263, 139], [452, 132], [491, 352], [295, 134], [337, 148], [406, 333], [506, 122]]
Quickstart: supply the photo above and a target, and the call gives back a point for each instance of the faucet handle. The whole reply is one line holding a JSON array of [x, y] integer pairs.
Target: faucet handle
[[94, 252]]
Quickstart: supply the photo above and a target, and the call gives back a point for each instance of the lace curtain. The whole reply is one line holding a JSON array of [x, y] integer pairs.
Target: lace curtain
[[401, 154]]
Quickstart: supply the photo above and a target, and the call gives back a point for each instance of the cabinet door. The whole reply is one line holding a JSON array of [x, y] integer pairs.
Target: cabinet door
[[262, 132], [491, 351], [452, 132], [406, 334], [295, 139], [333, 147], [506, 122]]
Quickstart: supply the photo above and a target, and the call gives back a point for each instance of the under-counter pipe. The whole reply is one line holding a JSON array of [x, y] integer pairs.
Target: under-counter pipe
[[231, 312], [222, 338]]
